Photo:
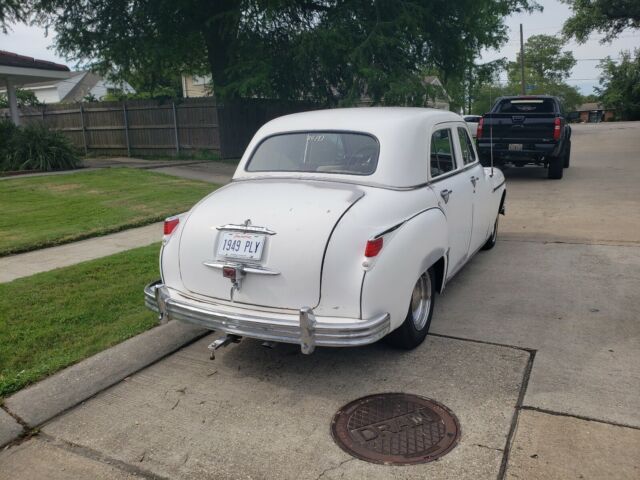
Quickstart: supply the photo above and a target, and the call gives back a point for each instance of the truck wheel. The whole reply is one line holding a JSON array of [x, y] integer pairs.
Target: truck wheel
[[494, 236], [556, 168], [416, 325], [567, 154]]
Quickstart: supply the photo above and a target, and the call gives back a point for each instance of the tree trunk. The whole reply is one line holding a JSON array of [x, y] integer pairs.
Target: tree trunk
[[220, 31]]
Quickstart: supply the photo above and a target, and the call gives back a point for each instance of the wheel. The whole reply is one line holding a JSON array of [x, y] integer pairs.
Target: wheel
[[556, 168], [567, 154], [494, 236], [416, 325]]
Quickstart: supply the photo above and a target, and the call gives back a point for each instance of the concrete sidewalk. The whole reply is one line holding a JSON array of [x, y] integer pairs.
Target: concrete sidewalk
[[25, 264]]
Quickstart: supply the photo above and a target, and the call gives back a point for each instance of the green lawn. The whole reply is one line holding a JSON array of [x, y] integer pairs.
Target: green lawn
[[50, 210], [54, 319]]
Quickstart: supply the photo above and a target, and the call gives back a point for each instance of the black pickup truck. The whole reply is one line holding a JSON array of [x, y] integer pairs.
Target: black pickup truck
[[526, 130]]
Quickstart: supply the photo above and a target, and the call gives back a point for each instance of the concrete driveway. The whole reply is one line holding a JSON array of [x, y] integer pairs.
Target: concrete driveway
[[534, 346]]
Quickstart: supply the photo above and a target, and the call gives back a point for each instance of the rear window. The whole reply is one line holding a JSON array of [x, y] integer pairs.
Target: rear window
[[534, 105], [321, 152]]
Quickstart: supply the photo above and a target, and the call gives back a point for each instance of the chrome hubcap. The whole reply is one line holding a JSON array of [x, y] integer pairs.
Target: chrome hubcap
[[421, 301]]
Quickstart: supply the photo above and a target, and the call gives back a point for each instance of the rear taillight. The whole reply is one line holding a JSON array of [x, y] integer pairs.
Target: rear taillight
[[479, 130], [556, 129], [373, 247], [170, 225]]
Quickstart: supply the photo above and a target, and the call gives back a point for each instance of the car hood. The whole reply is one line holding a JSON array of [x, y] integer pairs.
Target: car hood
[[300, 215]]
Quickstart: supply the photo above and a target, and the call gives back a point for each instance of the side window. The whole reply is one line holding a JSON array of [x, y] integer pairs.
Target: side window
[[466, 146], [442, 153]]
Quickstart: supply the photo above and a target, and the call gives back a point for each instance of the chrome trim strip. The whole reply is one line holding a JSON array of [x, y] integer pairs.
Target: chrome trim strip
[[246, 228], [503, 182], [246, 268], [347, 332]]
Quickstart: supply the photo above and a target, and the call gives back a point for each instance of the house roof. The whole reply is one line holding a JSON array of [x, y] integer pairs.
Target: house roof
[[585, 107], [11, 59]]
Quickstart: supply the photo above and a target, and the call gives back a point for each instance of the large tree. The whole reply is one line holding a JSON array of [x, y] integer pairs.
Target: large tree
[[610, 17], [620, 85], [331, 51]]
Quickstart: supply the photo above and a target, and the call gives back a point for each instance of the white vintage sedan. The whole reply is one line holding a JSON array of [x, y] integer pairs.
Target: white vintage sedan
[[338, 229]]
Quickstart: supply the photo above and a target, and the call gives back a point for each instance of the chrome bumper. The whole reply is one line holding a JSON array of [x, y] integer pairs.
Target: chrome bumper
[[305, 328]]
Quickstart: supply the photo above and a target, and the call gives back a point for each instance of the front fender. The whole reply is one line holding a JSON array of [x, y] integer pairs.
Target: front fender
[[407, 253]]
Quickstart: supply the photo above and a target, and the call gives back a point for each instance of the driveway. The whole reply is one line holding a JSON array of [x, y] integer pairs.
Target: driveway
[[534, 346]]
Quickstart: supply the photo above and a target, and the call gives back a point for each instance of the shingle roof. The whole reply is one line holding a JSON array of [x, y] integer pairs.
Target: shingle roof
[[14, 60]]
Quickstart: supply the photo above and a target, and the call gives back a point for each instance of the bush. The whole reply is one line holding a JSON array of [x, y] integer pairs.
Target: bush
[[34, 147], [7, 131]]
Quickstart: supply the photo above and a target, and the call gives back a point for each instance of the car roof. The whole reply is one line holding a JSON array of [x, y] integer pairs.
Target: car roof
[[402, 132]]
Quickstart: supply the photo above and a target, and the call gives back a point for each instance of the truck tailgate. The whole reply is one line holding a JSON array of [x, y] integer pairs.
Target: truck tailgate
[[523, 128]]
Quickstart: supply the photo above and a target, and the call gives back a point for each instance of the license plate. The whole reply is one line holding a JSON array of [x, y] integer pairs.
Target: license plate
[[515, 147], [246, 246]]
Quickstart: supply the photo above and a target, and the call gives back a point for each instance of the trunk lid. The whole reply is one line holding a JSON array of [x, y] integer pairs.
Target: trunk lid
[[298, 218], [520, 128]]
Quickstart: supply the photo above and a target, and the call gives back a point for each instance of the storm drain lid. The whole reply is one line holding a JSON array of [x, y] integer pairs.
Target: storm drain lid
[[395, 429]]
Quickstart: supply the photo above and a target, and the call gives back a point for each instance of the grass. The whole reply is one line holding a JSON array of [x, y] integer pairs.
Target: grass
[[53, 319], [50, 210]]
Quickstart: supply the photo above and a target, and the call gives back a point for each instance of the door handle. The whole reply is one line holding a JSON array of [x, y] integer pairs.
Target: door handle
[[445, 195], [474, 180]]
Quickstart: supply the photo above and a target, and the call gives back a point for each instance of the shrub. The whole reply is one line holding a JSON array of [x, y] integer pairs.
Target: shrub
[[7, 131], [34, 147]]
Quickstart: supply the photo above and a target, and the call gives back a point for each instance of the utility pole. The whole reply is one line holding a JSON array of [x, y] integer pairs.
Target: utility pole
[[522, 60]]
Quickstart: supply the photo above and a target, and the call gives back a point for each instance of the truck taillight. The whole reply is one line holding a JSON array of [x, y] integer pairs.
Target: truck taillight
[[479, 130], [373, 247], [170, 225], [556, 129]]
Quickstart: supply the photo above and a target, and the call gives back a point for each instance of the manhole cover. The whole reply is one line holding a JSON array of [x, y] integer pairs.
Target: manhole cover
[[395, 429]]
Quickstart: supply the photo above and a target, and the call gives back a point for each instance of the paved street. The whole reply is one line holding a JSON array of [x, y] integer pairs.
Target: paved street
[[534, 346]]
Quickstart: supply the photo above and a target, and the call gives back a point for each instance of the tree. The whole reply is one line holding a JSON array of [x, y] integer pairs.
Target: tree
[[610, 17], [11, 11], [620, 85], [547, 67], [25, 98], [330, 51]]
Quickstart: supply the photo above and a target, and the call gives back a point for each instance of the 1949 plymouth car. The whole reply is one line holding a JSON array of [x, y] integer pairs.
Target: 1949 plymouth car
[[338, 228]]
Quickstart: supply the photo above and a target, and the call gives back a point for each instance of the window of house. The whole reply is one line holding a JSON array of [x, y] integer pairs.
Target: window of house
[[442, 153]]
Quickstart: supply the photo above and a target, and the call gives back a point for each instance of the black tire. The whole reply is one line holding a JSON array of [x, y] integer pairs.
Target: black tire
[[567, 154], [556, 168], [494, 236], [413, 331]]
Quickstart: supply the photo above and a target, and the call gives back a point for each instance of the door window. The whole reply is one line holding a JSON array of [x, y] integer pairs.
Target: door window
[[442, 154], [466, 147]]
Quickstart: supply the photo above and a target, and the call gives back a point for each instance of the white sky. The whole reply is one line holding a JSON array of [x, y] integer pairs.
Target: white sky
[[31, 41]]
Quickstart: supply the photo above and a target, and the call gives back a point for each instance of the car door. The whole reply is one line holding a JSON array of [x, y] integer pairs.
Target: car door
[[473, 172], [454, 192]]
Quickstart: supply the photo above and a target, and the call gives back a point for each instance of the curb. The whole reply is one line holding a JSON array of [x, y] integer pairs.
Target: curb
[[44, 400]]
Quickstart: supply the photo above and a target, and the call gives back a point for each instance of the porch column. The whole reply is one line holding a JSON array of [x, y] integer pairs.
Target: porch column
[[13, 101]]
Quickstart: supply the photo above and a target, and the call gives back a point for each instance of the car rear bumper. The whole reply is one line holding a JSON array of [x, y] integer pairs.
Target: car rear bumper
[[303, 328]]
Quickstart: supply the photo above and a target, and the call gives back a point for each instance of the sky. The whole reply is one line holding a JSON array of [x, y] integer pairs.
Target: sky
[[33, 42]]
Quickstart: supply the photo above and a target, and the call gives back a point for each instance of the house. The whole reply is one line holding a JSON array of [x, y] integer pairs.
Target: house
[[18, 70], [75, 87], [200, 86], [594, 113]]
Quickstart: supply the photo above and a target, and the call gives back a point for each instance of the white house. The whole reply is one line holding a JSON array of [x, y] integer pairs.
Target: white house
[[74, 88]]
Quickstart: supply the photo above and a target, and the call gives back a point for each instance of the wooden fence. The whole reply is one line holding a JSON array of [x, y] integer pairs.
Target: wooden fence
[[156, 127]]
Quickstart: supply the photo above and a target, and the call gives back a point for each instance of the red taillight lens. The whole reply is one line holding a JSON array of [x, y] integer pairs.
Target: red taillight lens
[[373, 247], [170, 225], [479, 130], [556, 129]]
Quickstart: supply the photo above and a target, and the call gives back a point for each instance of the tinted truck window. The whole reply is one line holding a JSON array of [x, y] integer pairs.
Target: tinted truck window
[[519, 106]]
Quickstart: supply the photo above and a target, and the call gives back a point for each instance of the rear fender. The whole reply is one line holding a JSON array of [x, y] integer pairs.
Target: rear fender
[[407, 253]]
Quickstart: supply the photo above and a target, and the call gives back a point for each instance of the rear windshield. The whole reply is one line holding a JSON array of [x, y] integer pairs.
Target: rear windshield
[[534, 105], [322, 152], [472, 118]]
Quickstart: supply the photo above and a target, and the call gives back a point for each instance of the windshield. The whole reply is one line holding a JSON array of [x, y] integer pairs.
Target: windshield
[[322, 152]]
